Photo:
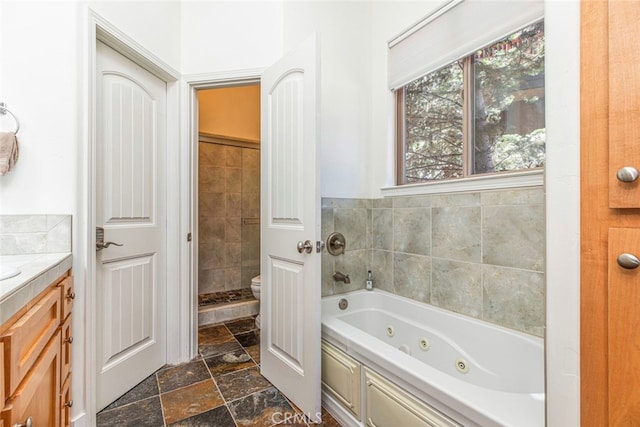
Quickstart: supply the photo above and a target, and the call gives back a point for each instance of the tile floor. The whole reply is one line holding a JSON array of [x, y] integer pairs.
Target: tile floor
[[221, 387]]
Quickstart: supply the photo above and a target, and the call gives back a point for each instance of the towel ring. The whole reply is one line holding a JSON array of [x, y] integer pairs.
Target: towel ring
[[4, 110]]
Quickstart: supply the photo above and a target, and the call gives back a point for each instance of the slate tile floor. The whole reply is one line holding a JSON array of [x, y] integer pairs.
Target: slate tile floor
[[221, 387]]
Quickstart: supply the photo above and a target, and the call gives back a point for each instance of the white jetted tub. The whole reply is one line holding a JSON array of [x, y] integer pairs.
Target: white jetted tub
[[472, 371]]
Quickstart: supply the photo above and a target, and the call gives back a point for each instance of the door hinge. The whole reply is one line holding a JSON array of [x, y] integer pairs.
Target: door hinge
[[189, 238]]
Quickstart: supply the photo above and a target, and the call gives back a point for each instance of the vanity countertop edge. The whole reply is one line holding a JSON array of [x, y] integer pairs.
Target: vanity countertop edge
[[37, 272]]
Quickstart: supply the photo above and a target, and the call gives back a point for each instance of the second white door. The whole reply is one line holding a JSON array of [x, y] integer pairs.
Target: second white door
[[290, 303]]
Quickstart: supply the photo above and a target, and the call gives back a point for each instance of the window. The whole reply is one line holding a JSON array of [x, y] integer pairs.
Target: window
[[481, 114]]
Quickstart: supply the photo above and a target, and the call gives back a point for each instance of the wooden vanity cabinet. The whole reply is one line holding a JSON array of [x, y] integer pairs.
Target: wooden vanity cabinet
[[35, 359]]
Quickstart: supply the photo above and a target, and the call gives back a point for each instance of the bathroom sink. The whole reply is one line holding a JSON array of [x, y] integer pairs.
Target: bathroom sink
[[7, 272]]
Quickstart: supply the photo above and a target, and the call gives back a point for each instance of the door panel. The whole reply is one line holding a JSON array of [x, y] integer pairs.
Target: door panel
[[624, 334], [290, 303], [131, 207], [624, 102]]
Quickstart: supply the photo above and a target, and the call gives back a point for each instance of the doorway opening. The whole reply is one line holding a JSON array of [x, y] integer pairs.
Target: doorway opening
[[228, 202]]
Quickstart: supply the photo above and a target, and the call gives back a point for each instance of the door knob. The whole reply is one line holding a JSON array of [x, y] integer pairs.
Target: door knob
[[627, 174], [628, 261], [305, 246]]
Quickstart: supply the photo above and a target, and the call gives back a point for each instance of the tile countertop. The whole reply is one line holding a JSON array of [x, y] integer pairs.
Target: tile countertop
[[37, 271]]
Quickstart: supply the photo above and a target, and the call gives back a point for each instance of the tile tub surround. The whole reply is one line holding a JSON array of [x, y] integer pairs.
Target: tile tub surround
[[480, 254], [34, 234]]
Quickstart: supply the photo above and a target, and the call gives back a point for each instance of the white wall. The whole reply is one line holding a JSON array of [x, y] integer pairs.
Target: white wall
[[345, 133], [222, 36], [43, 72]]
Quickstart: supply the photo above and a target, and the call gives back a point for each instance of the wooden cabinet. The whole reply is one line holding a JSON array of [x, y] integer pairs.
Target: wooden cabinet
[[35, 359], [610, 218]]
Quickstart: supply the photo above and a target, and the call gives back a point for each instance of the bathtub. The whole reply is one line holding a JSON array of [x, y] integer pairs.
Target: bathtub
[[474, 372]]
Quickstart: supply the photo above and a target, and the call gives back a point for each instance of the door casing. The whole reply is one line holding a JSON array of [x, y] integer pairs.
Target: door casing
[[193, 84], [177, 348]]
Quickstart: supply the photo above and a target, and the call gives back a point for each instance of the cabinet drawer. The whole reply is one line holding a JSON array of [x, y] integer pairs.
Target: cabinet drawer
[[38, 395], [25, 339], [65, 403], [341, 377], [389, 406], [68, 295], [65, 348]]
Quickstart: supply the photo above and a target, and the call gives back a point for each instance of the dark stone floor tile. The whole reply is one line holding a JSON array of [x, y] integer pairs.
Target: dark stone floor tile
[[215, 334], [265, 408], [328, 420], [247, 339], [217, 417], [229, 362], [190, 400], [147, 412], [241, 383], [208, 350], [182, 375], [147, 388], [238, 326], [254, 352]]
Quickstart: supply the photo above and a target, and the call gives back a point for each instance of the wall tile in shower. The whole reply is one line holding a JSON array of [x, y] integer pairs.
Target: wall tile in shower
[[513, 236], [353, 223], [514, 298], [412, 230], [382, 231], [382, 269], [412, 276], [457, 286], [456, 233]]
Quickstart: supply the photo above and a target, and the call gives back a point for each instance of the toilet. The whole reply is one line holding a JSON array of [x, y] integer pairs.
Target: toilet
[[255, 288]]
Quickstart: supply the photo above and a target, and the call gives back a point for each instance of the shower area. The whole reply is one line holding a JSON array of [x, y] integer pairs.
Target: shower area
[[228, 202]]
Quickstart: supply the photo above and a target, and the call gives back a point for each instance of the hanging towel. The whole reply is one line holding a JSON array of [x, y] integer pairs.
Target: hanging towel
[[8, 151]]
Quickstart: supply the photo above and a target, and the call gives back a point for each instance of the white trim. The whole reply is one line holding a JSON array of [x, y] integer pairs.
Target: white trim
[[189, 186], [531, 178], [101, 30]]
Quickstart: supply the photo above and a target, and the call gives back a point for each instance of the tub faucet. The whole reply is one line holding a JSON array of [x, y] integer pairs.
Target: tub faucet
[[339, 277]]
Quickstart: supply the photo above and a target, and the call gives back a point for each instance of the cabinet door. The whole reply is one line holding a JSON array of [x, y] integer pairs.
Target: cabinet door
[[389, 406], [38, 395], [65, 403], [65, 349], [68, 295], [624, 333], [2, 385], [26, 338], [341, 377], [624, 101]]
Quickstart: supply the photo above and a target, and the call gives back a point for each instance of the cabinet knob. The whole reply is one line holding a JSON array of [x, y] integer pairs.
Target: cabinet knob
[[69, 340], [68, 404], [27, 423], [627, 174], [628, 261], [71, 295]]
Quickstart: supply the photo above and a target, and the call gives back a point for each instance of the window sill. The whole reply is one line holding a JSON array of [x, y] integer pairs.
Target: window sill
[[531, 178]]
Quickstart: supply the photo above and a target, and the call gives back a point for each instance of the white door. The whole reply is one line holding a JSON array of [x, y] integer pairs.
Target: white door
[[290, 303], [131, 207]]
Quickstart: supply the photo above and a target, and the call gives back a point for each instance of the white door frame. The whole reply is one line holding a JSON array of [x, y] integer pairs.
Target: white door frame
[[177, 344], [189, 151]]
